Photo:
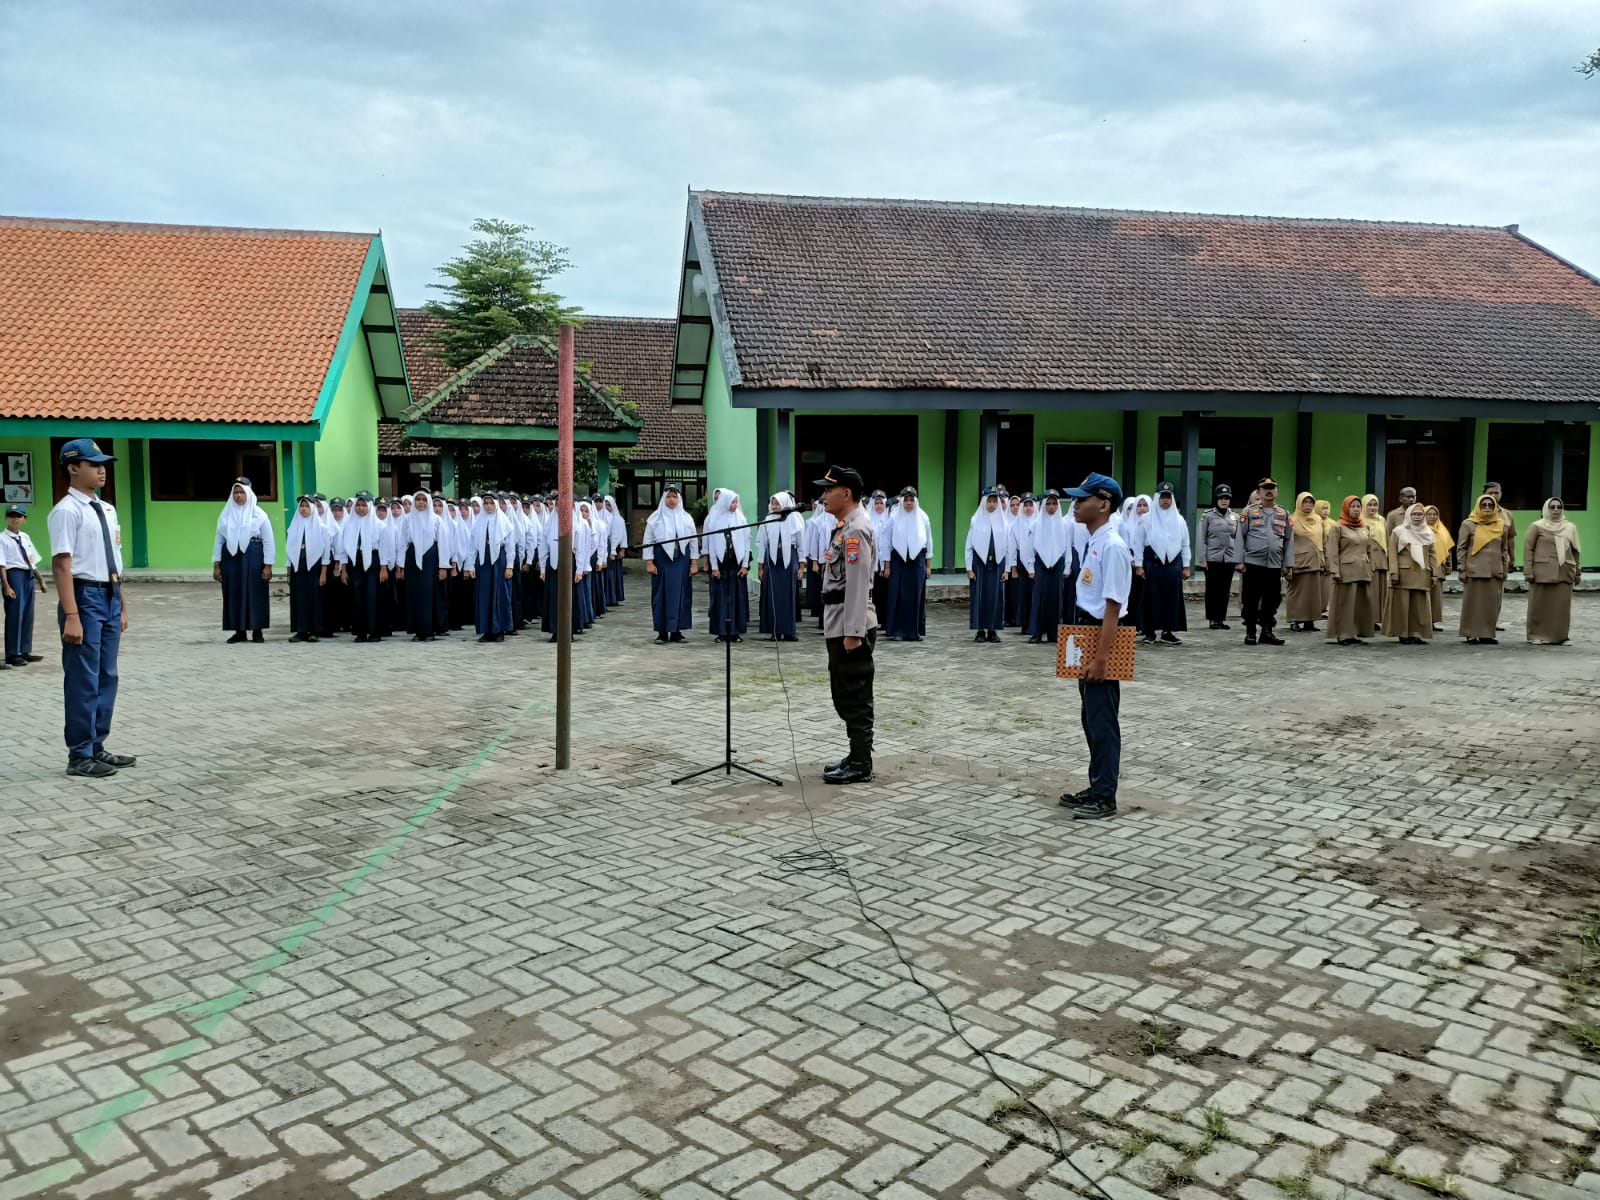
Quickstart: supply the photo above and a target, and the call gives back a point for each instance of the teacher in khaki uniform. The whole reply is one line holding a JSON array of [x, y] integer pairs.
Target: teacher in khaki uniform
[[87, 565], [849, 622]]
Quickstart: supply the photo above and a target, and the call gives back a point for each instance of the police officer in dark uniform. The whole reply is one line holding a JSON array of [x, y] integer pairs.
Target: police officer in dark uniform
[[849, 622]]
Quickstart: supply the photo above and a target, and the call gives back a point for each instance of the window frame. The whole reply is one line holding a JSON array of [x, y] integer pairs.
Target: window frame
[[192, 446]]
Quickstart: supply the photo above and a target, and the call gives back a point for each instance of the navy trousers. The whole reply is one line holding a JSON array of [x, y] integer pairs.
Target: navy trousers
[[89, 670], [1100, 706], [19, 613]]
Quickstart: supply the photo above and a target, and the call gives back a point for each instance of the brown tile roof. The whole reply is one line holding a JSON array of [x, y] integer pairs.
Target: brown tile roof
[[417, 325], [634, 355], [515, 384], [825, 293], [111, 321], [393, 443]]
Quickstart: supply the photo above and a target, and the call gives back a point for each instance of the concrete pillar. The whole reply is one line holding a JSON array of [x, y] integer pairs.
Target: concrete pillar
[[1377, 455], [952, 453], [1189, 492], [783, 458], [1554, 442], [602, 469], [988, 448]]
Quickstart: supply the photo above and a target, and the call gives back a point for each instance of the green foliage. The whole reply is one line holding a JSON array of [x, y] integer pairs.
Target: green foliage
[[498, 286], [527, 467], [1589, 67], [1216, 1123]]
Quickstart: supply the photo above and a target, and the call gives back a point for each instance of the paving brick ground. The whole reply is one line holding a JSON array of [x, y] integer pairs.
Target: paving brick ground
[[344, 932]]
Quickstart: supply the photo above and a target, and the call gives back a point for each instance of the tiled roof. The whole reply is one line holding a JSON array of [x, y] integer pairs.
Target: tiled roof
[[824, 293], [634, 355], [112, 321], [515, 384], [393, 443], [417, 326]]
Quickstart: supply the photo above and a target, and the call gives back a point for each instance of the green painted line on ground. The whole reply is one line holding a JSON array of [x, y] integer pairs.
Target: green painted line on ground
[[208, 1015]]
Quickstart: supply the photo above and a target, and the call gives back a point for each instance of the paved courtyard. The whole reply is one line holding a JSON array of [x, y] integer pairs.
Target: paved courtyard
[[345, 932]]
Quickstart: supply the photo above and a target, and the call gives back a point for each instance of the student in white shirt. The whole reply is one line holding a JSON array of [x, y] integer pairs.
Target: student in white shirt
[[20, 581]]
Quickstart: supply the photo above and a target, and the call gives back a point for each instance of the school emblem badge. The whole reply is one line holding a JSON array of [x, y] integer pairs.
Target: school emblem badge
[[852, 549], [1087, 578]]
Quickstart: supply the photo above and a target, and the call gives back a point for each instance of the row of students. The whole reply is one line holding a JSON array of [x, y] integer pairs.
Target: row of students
[[420, 563]]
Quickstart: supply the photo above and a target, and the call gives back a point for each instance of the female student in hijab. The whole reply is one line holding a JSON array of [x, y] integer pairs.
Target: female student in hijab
[[1325, 511], [487, 567], [1443, 545], [671, 566], [619, 548], [1019, 585], [1412, 557], [1378, 544], [1135, 513], [1219, 549], [336, 596], [1485, 559], [242, 558], [424, 567], [819, 531], [1163, 564], [779, 569], [988, 557], [903, 566], [1349, 551], [1305, 600], [1550, 555], [1052, 558], [727, 551], [387, 551], [361, 566], [306, 555]]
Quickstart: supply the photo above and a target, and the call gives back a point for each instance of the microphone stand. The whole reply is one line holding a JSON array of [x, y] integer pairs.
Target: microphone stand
[[727, 766]]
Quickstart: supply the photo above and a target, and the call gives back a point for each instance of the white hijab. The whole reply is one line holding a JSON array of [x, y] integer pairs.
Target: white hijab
[[989, 530], [779, 537], [307, 532], [722, 516], [237, 522], [1052, 537], [422, 527], [491, 525], [1415, 539], [674, 526], [619, 527], [324, 516], [908, 531], [359, 532], [1165, 530]]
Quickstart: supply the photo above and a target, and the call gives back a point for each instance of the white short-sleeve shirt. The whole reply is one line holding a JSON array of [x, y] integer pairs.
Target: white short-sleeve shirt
[[1106, 573], [75, 530]]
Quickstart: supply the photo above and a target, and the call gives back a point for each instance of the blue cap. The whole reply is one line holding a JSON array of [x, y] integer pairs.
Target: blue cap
[[1103, 486], [1166, 489], [16, 510], [84, 450]]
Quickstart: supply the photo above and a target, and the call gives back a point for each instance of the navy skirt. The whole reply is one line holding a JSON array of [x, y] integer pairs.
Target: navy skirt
[[245, 607], [779, 594], [1161, 599], [1049, 592], [907, 615], [671, 593], [986, 595], [730, 601]]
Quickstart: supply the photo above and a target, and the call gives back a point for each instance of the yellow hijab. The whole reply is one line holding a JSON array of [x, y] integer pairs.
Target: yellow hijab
[[1489, 529], [1563, 531], [1443, 542], [1377, 527], [1312, 526]]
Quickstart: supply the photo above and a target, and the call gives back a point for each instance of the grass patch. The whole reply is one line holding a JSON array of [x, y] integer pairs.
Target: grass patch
[[1474, 956], [1135, 1144], [1010, 1106], [1297, 1187], [1159, 1036], [1215, 1123], [1586, 1034]]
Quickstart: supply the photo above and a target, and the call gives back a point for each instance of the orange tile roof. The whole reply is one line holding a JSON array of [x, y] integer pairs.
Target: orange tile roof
[[112, 321]]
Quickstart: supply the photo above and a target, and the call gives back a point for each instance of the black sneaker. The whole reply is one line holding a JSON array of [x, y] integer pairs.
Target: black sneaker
[[1073, 799], [33, 658], [236, 638], [1268, 640], [1149, 639], [1222, 625], [257, 638], [980, 636], [119, 761], [90, 768], [1170, 639], [1094, 808], [994, 636], [1249, 637]]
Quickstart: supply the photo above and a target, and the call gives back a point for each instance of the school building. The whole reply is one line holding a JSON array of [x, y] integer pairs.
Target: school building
[[195, 355], [951, 346]]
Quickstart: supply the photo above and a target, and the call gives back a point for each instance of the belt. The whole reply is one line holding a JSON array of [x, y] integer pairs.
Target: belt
[[95, 583], [833, 597]]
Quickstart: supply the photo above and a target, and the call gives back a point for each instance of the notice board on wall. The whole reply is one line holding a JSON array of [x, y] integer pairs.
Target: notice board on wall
[[16, 476]]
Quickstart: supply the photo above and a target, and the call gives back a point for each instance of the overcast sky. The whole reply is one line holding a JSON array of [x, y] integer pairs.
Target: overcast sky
[[589, 120]]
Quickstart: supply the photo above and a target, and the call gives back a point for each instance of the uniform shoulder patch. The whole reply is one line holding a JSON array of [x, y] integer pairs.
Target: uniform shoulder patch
[[852, 549]]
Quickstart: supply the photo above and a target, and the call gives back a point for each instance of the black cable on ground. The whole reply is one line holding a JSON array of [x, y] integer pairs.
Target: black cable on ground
[[824, 861]]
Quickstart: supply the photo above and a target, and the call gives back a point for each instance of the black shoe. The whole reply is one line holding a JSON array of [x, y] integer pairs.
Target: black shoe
[[1438, 628], [980, 636], [90, 768], [1094, 808], [33, 658], [677, 637], [1499, 628], [119, 761], [738, 638], [553, 638], [1249, 637], [16, 660], [1073, 799], [661, 639], [850, 771], [257, 638], [238, 637], [1171, 639], [415, 637], [1489, 641], [360, 637], [487, 637], [1035, 640], [311, 637], [1149, 639], [1268, 640], [994, 636], [789, 638]]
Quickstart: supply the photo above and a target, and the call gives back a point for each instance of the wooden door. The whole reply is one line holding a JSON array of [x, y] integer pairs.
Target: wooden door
[[1424, 455]]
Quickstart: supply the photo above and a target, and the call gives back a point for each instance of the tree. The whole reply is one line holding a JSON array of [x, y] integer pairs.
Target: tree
[[498, 286], [1590, 66]]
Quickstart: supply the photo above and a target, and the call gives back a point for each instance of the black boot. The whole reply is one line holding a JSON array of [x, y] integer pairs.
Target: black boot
[[1268, 640], [856, 768], [1249, 635]]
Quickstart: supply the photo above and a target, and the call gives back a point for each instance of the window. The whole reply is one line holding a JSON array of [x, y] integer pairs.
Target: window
[[1067, 464], [1516, 463], [197, 470], [1233, 450]]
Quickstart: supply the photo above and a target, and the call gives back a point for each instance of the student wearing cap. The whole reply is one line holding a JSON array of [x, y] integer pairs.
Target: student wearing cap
[[20, 581], [1104, 581], [904, 544], [1052, 559], [850, 623], [388, 544], [1265, 557], [241, 560], [1219, 551], [306, 553], [879, 512], [1161, 559], [86, 564], [988, 557], [672, 566]]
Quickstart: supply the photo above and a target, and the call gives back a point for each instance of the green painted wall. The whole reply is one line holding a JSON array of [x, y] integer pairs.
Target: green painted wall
[[180, 533], [347, 455], [43, 490], [730, 435], [1338, 460], [1587, 520]]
